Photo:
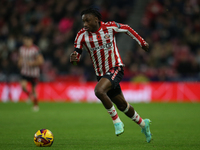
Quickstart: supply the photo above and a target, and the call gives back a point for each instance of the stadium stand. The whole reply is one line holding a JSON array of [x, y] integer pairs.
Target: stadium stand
[[172, 29]]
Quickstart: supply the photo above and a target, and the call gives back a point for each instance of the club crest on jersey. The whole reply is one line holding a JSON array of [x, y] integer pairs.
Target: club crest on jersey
[[107, 36]]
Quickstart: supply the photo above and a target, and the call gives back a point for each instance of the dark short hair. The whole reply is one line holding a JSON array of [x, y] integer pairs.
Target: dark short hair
[[93, 11]]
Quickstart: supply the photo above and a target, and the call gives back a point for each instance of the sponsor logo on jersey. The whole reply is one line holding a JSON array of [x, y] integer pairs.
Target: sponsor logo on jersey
[[105, 46]]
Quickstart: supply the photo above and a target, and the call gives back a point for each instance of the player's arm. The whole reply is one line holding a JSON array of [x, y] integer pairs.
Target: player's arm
[[37, 62], [132, 33], [145, 47], [20, 61], [75, 56], [78, 44]]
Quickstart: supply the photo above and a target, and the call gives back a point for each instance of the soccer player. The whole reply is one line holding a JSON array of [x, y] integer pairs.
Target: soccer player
[[98, 38], [30, 60]]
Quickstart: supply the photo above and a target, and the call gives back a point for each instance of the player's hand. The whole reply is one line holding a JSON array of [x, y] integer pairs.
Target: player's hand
[[74, 58], [146, 47]]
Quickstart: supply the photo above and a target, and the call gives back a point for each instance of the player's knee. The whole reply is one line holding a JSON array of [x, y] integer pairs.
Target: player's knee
[[99, 92]]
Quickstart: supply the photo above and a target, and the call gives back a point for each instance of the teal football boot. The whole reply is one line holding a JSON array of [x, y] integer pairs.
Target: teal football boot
[[119, 128], [146, 130]]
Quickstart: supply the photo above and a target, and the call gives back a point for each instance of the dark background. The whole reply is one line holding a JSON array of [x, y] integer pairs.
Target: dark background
[[171, 27]]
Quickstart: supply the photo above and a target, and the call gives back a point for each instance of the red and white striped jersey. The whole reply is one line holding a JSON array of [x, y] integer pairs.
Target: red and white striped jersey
[[102, 47], [27, 55]]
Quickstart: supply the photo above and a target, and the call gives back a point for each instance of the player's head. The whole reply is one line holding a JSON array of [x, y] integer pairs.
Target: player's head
[[91, 18], [27, 40]]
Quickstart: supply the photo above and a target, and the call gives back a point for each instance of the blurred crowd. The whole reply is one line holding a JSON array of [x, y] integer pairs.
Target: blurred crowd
[[54, 25], [171, 27]]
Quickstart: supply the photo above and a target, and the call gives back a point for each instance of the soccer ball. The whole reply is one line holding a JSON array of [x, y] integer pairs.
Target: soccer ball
[[43, 138]]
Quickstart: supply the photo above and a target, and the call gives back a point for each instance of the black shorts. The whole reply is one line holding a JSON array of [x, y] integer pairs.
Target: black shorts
[[115, 75], [32, 80]]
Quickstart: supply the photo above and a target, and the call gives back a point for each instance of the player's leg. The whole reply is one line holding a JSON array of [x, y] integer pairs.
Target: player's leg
[[101, 89], [34, 95], [24, 83], [125, 107]]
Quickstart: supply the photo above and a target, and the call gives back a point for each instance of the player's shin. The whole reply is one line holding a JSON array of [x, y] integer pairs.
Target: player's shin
[[35, 101], [35, 104], [26, 91], [131, 113]]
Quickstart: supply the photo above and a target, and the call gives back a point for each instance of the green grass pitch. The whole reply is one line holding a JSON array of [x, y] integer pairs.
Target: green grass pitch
[[87, 126]]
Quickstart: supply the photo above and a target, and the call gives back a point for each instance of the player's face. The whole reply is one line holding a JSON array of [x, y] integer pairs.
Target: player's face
[[27, 41], [90, 22]]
